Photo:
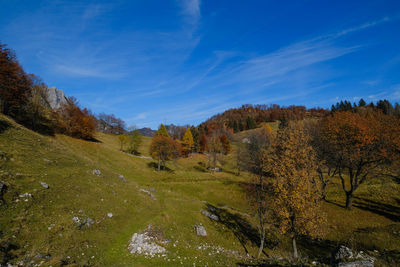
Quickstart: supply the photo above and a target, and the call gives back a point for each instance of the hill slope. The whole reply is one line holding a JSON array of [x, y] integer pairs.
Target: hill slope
[[41, 227]]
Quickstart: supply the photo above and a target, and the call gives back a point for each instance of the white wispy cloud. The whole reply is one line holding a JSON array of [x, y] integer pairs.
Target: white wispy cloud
[[191, 10]]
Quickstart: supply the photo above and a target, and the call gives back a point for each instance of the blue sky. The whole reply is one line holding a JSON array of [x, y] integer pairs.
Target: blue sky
[[180, 62]]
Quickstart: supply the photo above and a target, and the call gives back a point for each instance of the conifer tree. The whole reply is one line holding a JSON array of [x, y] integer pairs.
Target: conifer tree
[[187, 142], [162, 131]]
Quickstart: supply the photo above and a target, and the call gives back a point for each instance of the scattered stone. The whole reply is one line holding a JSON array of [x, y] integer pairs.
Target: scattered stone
[[44, 185], [80, 222], [89, 222], [110, 215], [345, 257], [47, 160], [210, 215], [122, 178], [96, 172], [144, 244], [366, 263], [148, 192], [3, 155], [200, 230], [152, 189], [25, 195]]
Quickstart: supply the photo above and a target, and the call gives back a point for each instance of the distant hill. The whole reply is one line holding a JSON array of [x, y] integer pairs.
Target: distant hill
[[248, 116], [147, 132]]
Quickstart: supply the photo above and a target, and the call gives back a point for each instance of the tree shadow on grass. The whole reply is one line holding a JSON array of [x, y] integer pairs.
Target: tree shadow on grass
[[389, 211], [154, 166], [4, 125], [241, 228]]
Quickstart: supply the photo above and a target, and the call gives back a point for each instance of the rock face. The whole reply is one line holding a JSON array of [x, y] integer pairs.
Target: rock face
[[56, 97], [200, 230], [345, 257]]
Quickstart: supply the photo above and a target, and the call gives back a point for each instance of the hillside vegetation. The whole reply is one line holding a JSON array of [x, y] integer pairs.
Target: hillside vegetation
[[41, 228]]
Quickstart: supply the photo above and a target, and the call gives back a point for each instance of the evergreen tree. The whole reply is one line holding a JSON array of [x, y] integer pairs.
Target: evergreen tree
[[362, 103], [250, 123], [187, 142], [162, 131]]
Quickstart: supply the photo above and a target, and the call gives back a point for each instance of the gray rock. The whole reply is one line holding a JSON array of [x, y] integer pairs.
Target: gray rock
[[89, 222], [210, 215], [122, 178], [152, 189], [44, 185], [80, 222], [110, 215], [200, 230], [55, 97], [96, 172], [148, 193], [342, 253], [144, 244], [365, 263], [345, 257]]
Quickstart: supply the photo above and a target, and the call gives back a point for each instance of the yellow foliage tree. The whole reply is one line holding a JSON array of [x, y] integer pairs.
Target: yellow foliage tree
[[295, 203], [187, 142]]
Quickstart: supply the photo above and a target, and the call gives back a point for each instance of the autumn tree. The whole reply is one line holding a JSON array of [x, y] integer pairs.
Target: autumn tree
[[163, 149], [356, 144], [15, 84], [110, 124], [217, 143], [295, 200], [122, 139], [162, 131], [203, 144], [187, 142], [134, 141], [76, 122], [253, 156]]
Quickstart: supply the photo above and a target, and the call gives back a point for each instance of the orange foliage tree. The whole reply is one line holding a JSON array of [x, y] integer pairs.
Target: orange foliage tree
[[15, 84], [76, 122], [356, 144]]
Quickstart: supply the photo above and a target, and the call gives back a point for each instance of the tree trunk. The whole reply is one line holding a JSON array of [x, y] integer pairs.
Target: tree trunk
[[295, 255], [323, 191], [159, 164], [262, 238], [349, 200]]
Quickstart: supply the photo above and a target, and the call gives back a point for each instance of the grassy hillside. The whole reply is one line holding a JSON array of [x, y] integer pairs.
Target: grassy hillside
[[40, 228]]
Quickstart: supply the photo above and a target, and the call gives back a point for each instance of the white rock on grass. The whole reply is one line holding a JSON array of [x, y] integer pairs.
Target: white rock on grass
[[148, 192], [96, 172], [144, 244], [110, 215], [44, 185], [200, 230]]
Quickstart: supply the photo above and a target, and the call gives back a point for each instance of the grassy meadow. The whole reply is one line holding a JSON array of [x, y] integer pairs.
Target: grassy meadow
[[40, 228]]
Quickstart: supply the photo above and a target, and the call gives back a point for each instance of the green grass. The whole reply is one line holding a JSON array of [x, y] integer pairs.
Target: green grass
[[43, 225]]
